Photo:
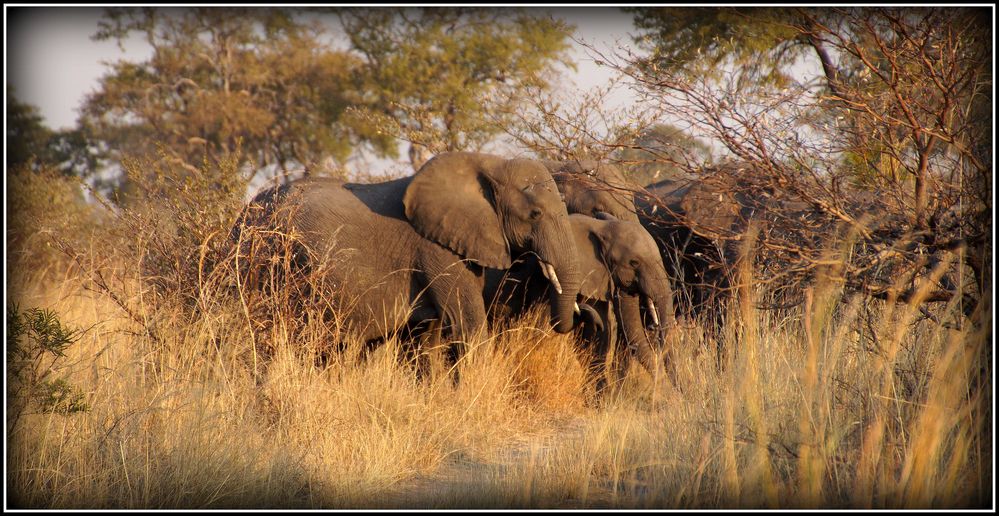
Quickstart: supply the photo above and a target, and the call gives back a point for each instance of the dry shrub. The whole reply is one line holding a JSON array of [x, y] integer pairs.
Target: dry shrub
[[548, 369], [183, 419], [157, 434], [827, 420], [840, 402], [820, 409], [42, 205], [176, 220]]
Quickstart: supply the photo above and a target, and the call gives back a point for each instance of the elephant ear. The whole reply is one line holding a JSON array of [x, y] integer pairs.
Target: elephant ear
[[590, 242], [450, 201]]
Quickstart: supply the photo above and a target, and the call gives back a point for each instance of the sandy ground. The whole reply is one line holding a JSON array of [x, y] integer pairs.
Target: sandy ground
[[465, 482]]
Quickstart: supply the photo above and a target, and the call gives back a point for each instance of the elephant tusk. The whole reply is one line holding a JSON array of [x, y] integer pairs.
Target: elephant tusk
[[575, 308], [549, 271], [652, 310], [554, 278]]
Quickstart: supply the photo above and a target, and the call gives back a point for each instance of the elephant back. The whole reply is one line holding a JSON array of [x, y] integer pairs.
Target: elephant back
[[710, 209]]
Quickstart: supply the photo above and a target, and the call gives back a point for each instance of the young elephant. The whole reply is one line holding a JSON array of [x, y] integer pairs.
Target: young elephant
[[593, 187], [414, 249], [621, 272]]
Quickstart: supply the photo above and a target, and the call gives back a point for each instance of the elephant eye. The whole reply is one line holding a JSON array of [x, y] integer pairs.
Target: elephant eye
[[633, 263], [535, 213]]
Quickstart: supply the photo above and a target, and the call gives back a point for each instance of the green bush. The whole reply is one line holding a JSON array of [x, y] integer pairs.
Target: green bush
[[36, 342]]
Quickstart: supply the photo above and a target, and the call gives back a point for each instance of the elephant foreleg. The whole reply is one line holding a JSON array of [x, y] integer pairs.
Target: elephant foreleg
[[594, 332]]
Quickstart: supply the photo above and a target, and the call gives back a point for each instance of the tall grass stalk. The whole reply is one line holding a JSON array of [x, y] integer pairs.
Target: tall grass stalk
[[843, 402]]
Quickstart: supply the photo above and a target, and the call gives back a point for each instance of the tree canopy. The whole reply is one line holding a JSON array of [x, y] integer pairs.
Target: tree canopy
[[220, 77], [272, 83], [441, 78], [27, 135], [819, 103], [33, 144], [697, 40]]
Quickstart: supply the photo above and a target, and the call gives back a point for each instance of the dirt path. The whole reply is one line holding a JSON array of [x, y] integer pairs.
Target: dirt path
[[463, 482]]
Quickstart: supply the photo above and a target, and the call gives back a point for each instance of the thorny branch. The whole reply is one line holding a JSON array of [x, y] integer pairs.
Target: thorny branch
[[890, 151]]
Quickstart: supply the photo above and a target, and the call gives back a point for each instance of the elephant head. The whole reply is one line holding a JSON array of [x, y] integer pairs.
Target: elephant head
[[590, 187], [717, 205], [623, 260], [622, 264], [490, 210]]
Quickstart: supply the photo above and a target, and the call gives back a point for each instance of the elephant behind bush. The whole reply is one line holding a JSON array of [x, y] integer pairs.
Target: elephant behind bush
[[622, 274], [415, 248], [590, 187]]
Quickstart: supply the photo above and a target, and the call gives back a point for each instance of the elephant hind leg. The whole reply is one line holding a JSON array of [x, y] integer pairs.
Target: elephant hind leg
[[457, 297]]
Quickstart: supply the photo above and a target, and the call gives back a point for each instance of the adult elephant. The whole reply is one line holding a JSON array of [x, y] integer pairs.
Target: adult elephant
[[692, 223], [622, 273], [700, 223], [590, 187], [415, 248]]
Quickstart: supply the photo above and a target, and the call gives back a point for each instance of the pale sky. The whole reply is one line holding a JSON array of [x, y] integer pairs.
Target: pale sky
[[52, 62]]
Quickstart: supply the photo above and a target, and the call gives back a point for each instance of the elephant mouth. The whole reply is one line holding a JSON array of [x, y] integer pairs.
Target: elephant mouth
[[650, 305]]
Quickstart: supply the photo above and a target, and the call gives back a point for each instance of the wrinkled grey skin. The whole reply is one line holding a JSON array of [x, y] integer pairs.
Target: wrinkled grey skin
[[622, 272], [414, 249], [699, 222], [687, 220], [590, 187]]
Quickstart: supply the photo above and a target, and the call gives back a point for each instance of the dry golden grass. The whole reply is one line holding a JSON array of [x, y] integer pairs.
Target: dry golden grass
[[818, 408]]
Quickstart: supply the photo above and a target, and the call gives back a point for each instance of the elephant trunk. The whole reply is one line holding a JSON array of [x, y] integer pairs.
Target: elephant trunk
[[560, 265], [658, 299], [656, 296], [629, 316]]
